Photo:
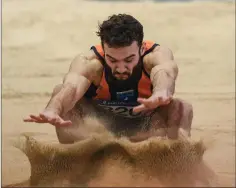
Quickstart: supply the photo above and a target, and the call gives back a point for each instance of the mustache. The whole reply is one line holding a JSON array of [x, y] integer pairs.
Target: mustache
[[124, 73]]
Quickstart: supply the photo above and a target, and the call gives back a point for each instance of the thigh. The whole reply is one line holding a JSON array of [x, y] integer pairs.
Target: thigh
[[155, 123], [171, 117]]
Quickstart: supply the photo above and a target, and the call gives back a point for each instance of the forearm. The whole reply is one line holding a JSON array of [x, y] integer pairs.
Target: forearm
[[68, 95], [63, 100], [163, 78]]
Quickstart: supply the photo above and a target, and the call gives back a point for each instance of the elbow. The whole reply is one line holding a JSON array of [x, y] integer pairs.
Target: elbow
[[77, 85], [175, 71]]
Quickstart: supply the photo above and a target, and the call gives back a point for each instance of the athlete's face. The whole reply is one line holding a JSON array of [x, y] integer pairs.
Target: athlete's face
[[122, 60]]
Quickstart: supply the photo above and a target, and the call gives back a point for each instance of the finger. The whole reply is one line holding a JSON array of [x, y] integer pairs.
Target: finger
[[58, 122], [43, 116], [139, 108], [28, 120], [63, 124], [53, 120], [159, 99], [34, 120], [66, 123], [170, 98], [167, 101], [49, 119], [147, 102], [164, 99], [40, 121], [37, 118], [141, 100]]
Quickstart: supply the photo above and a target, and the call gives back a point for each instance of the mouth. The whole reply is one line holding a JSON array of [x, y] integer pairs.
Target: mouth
[[121, 76]]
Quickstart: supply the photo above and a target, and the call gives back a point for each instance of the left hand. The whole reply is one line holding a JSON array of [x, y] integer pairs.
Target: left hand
[[157, 99]]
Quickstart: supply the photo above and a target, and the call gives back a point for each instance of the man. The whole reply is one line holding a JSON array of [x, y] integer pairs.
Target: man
[[125, 80]]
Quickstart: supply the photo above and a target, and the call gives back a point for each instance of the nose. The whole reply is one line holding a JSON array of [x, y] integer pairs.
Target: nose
[[121, 68]]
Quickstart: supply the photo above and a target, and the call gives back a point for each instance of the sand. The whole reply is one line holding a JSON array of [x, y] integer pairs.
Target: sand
[[40, 38]]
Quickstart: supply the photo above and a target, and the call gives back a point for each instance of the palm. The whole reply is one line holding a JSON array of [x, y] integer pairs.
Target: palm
[[48, 117], [152, 102]]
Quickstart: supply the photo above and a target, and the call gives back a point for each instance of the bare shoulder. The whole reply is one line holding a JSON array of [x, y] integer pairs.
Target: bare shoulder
[[160, 55], [88, 65]]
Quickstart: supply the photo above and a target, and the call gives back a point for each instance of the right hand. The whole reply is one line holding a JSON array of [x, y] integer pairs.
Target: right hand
[[48, 116]]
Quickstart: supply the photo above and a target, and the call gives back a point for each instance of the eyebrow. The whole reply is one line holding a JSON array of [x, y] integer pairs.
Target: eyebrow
[[132, 55]]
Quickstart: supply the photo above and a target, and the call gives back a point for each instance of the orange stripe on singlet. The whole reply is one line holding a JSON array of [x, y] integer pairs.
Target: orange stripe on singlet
[[144, 85], [103, 89]]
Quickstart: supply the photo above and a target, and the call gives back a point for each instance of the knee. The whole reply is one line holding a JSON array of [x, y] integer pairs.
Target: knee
[[63, 136], [188, 109], [180, 114], [184, 106]]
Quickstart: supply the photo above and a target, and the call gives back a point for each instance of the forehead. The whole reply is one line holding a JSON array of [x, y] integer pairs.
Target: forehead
[[122, 51]]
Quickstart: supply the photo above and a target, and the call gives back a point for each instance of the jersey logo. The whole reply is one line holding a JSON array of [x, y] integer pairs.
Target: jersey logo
[[125, 96]]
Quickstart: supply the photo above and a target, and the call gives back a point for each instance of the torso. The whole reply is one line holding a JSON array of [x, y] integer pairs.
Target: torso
[[121, 98]]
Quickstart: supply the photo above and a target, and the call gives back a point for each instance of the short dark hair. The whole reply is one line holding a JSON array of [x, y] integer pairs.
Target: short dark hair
[[120, 30]]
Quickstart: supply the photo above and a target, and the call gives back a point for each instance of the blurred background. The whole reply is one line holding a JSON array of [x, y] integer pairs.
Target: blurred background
[[40, 38]]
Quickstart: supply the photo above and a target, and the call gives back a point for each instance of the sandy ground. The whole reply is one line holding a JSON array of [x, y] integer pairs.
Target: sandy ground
[[40, 38]]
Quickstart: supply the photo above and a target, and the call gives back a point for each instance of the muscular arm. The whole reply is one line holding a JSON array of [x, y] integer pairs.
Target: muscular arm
[[163, 70], [82, 72]]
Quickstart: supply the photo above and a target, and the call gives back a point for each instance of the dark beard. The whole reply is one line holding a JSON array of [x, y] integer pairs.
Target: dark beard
[[131, 81]]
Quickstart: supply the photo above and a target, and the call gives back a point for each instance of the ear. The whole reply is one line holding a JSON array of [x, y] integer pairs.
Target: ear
[[142, 49]]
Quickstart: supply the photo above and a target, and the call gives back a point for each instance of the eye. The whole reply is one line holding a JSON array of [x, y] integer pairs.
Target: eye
[[113, 61], [128, 60]]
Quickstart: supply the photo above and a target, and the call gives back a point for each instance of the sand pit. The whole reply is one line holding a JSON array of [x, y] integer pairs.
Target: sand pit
[[103, 160], [40, 38]]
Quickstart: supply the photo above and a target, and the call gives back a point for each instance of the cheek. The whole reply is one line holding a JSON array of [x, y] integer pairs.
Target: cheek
[[111, 65], [131, 66]]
